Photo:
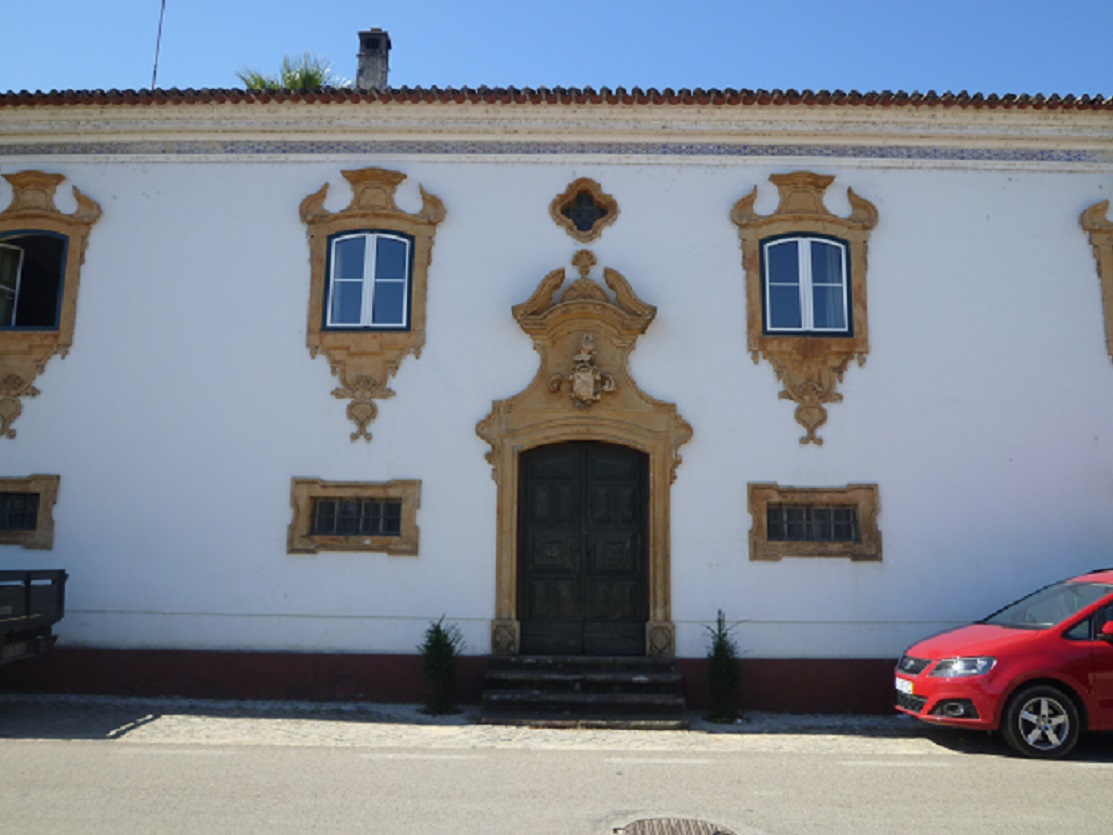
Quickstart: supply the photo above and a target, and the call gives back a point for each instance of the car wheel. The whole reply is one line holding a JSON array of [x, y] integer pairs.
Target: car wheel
[[1041, 721]]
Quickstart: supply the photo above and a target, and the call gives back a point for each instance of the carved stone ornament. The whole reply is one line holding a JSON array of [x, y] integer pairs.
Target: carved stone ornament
[[1095, 220], [364, 360], [584, 210], [24, 352], [586, 382], [809, 366], [583, 391]]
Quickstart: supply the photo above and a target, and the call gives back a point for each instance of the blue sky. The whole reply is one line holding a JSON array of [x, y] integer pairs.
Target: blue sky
[[987, 46]]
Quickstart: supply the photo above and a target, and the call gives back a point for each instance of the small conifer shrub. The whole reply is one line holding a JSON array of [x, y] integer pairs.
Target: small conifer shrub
[[439, 651], [724, 677]]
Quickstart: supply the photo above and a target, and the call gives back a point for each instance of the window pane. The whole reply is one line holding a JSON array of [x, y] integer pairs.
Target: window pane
[[826, 263], [782, 263], [828, 286], [10, 259], [324, 516], [784, 308], [821, 524], [390, 303], [39, 286], [797, 527], [828, 312], [347, 522], [348, 257], [371, 517], [844, 524], [392, 518], [18, 511], [391, 258], [347, 303]]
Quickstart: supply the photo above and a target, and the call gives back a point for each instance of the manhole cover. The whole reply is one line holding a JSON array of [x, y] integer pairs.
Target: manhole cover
[[673, 826]]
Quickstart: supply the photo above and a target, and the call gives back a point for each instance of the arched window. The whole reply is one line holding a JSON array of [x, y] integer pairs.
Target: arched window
[[369, 280], [805, 285]]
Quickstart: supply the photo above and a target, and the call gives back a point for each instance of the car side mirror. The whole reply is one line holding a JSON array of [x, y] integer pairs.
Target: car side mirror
[[1106, 633]]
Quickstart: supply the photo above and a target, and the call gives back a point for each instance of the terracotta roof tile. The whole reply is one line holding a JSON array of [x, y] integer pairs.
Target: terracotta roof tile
[[728, 97]]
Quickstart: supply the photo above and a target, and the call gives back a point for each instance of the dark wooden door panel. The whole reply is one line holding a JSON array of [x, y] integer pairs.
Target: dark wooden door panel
[[554, 552], [582, 549]]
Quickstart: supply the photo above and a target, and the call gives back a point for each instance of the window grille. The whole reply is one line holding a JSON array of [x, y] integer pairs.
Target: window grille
[[18, 511], [357, 517], [812, 523]]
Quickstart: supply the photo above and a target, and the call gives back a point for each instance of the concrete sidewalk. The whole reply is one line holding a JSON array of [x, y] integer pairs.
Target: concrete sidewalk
[[200, 722]]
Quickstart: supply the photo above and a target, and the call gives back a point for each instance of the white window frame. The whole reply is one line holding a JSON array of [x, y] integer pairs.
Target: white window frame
[[369, 282], [806, 284], [13, 290]]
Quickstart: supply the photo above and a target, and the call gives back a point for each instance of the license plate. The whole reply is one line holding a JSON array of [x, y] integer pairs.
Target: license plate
[[904, 686]]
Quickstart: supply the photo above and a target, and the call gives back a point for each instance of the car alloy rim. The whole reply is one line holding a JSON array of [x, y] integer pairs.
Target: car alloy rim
[[1044, 723]]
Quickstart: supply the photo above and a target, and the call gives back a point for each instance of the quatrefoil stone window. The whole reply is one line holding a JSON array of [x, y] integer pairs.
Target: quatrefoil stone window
[[584, 210]]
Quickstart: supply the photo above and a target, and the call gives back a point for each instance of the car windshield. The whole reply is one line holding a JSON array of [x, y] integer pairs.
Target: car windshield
[[1049, 606]]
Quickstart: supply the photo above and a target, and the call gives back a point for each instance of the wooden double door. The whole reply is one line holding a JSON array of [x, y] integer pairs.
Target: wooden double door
[[583, 550]]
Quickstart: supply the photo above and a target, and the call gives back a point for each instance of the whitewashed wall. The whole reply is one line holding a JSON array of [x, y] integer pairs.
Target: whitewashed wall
[[189, 400]]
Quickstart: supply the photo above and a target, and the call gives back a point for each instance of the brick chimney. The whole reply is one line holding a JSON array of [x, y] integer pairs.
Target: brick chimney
[[374, 63]]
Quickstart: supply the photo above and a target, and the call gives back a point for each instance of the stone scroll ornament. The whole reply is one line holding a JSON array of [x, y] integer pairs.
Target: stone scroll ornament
[[364, 360], [24, 353]]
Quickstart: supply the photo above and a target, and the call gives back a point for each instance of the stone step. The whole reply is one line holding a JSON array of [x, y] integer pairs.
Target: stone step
[[580, 662], [571, 678], [583, 720], [603, 691], [598, 701]]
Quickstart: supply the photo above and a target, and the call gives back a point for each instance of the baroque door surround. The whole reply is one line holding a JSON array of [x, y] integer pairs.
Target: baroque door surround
[[583, 391]]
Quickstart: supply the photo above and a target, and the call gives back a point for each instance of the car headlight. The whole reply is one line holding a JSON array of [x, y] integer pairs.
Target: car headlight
[[957, 667]]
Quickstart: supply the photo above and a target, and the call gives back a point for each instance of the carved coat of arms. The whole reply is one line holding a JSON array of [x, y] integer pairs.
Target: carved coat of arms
[[587, 382]]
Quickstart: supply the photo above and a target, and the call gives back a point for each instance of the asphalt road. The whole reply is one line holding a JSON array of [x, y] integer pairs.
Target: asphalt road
[[126, 766]]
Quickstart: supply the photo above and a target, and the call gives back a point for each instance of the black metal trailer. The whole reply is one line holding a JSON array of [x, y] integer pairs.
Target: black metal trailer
[[31, 602]]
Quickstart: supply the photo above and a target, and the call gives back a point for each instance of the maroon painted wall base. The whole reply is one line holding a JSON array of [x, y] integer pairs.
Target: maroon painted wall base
[[781, 685]]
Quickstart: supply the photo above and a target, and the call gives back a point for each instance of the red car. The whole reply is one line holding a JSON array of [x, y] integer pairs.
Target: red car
[[1040, 670]]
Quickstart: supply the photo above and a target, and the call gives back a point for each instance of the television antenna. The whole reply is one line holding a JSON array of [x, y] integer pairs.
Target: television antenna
[[158, 44]]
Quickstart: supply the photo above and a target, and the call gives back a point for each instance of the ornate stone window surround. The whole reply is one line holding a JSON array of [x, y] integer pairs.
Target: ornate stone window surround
[[364, 358], [583, 391], [25, 351], [809, 364], [46, 486], [300, 538], [1095, 221], [863, 497]]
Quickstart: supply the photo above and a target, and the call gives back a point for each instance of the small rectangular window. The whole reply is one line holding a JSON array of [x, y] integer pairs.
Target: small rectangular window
[[369, 281], [354, 516], [27, 511], [814, 522], [806, 285]]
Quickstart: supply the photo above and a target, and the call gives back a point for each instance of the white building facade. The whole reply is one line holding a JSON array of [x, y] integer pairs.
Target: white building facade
[[574, 370]]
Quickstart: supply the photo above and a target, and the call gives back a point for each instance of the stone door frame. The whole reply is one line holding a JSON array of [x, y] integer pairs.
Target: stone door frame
[[583, 391]]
